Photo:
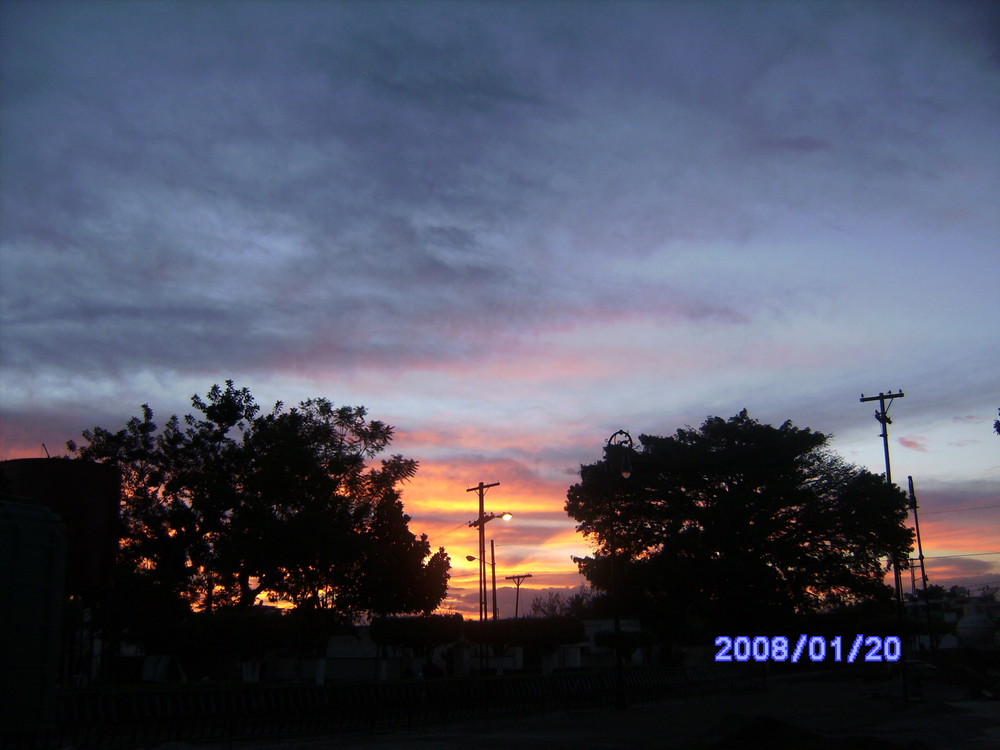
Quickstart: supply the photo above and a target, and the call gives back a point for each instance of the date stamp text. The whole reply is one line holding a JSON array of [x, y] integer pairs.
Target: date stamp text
[[816, 648]]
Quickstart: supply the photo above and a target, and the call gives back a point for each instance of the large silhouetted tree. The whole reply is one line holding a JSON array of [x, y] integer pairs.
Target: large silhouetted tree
[[226, 504], [738, 521]]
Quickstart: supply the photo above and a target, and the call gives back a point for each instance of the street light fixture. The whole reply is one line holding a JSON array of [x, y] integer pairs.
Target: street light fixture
[[493, 565], [622, 439], [621, 443], [480, 522]]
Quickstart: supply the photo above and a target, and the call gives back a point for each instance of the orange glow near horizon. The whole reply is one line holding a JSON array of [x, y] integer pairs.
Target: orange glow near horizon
[[955, 548], [14, 452], [541, 539]]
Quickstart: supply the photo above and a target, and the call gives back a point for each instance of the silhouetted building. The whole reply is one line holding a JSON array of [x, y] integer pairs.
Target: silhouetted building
[[958, 619], [32, 564], [87, 497]]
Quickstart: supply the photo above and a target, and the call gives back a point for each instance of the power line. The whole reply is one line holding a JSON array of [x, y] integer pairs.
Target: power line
[[973, 586], [960, 510], [452, 531], [973, 554]]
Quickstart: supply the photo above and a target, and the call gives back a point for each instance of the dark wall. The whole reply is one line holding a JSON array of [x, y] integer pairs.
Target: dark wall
[[87, 497], [32, 563]]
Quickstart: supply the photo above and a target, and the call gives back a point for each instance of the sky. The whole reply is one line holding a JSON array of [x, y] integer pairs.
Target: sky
[[510, 229]]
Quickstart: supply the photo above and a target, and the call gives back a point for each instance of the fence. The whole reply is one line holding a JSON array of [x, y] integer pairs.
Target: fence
[[123, 718]]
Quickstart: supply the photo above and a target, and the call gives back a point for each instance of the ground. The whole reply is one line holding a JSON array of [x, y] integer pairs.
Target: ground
[[813, 712]]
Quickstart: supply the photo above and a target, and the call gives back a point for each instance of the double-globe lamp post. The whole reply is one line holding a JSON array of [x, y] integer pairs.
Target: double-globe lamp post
[[619, 443]]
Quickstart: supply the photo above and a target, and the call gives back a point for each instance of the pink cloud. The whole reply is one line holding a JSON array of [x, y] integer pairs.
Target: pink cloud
[[958, 535], [964, 443], [914, 443]]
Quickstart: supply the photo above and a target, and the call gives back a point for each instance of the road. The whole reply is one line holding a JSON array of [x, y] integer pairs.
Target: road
[[846, 714]]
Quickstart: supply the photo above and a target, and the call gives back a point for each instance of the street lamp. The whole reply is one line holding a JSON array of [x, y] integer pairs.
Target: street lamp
[[621, 443], [492, 565], [623, 440], [481, 523]]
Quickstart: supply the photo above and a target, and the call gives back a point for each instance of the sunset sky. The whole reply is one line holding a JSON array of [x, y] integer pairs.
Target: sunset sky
[[512, 228]]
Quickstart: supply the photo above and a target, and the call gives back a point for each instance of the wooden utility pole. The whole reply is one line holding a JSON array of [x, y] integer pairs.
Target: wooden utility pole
[[518, 580], [923, 570], [481, 523], [493, 567], [882, 416]]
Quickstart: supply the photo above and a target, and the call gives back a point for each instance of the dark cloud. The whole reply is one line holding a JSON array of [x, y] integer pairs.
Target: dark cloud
[[257, 193], [802, 144], [968, 572], [525, 224], [258, 187]]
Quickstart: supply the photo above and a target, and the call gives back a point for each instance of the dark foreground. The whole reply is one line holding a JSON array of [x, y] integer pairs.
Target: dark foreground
[[818, 713], [126, 717], [703, 709]]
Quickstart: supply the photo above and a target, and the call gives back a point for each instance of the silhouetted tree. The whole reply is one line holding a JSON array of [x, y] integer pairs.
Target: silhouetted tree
[[224, 505], [738, 520], [549, 604], [558, 604], [933, 592], [391, 548]]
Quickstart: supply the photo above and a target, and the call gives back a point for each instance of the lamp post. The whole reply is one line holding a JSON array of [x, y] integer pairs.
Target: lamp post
[[619, 441], [481, 522], [493, 566]]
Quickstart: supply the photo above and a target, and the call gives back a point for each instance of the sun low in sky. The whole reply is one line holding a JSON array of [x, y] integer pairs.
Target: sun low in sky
[[511, 229]]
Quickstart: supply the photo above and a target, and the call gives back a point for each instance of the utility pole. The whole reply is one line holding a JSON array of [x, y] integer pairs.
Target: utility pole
[[923, 570], [518, 580], [882, 417], [493, 567], [481, 523]]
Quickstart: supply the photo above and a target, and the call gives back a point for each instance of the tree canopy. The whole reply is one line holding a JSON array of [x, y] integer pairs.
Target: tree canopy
[[738, 520], [230, 503]]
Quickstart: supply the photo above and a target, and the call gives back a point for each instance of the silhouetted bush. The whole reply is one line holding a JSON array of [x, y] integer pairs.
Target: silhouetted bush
[[542, 634], [416, 633], [628, 640], [245, 633], [310, 629]]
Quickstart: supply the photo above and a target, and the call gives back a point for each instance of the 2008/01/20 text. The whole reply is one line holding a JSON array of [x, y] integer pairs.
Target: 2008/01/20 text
[[863, 648]]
